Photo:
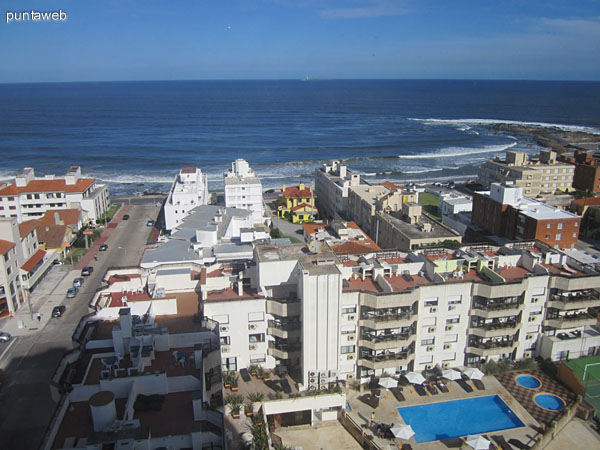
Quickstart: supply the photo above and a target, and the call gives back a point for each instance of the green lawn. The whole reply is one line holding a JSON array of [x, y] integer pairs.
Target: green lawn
[[430, 203], [109, 214]]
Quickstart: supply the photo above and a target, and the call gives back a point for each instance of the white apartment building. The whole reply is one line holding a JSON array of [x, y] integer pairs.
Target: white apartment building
[[454, 203], [243, 189], [30, 197], [332, 181], [190, 189]]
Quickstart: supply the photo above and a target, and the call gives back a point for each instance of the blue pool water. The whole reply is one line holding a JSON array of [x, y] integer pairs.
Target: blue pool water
[[549, 401], [457, 418], [528, 381]]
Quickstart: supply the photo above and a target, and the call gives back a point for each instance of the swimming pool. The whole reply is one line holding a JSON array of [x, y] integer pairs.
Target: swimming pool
[[549, 401], [528, 381], [445, 420]]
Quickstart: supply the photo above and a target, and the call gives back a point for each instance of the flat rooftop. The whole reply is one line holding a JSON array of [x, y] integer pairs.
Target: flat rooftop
[[413, 232]]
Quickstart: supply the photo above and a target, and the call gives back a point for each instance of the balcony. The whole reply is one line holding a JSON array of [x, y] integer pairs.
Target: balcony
[[583, 299], [283, 307], [391, 320], [496, 310], [283, 330], [491, 348], [571, 320], [282, 351], [384, 361], [382, 342], [492, 330]]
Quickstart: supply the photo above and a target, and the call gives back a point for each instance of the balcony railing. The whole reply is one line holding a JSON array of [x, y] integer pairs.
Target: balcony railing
[[284, 347], [385, 357], [496, 326], [497, 306], [491, 344], [385, 337], [386, 317]]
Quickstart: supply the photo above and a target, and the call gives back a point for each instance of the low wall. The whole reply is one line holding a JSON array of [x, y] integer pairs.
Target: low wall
[[357, 432], [557, 425], [568, 377]]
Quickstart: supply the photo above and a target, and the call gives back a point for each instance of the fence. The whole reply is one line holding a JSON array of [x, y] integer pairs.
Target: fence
[[357, 432]]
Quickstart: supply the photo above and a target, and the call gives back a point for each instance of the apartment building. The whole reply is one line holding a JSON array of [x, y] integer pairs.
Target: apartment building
[[452, 203], [30, 197], [332, 183], [243, 189], [190, 189], [297, 203], [541, 175], [504, 211], [587, 170]]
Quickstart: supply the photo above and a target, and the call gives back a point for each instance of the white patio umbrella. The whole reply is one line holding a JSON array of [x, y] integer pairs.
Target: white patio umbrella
[[388, 382], [415, 378], [478, 442], [473, 374], [402, 431], [451, 374]]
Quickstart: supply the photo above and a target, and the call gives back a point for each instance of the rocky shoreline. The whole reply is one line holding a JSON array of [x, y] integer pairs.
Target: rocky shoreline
[[551, 137]]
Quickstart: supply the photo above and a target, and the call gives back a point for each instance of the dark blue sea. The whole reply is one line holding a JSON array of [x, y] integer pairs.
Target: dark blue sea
[[135, 136]]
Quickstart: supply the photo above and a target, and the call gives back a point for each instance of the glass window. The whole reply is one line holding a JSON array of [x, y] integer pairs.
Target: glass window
[[349, 309], [261, 357], [258, 337], [558, 236], [225, 340], [429, 341], [559, 226], [347, 349]]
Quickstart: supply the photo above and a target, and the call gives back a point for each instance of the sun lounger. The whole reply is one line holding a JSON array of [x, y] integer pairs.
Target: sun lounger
[[442, 387], [479, 385], [273, 385], [285, 385], [420, 390], [368, 399], [397, 392], [463, 384], [517, 443], [245, 375], [502, 442], [431, 388]]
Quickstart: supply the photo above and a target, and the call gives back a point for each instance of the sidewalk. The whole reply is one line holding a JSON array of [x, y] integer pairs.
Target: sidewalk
[[49, 293]]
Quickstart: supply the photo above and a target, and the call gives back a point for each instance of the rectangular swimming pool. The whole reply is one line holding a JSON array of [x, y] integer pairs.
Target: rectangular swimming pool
[[444, 420]]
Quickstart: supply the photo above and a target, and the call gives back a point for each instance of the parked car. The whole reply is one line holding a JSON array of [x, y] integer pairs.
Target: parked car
[[4, 337], [72, 292], [150, 223], [78, 282], [126, 217], [103, 248], [87, 271], [57, 262], [58, 311]]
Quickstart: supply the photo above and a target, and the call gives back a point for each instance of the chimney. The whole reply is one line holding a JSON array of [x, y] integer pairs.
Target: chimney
[[301, 187], [56, 218]]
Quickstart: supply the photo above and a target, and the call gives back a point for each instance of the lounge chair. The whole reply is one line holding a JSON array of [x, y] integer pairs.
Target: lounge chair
[[273, 385], [369, 400], [479, 385], [397, 392], [431, 388], [517, 443], [245, 375], [442, 387], [420, 390], [499, 439], [463, 384]]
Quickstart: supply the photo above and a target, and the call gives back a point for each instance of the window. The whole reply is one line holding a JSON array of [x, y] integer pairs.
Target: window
[[431, 302], [576, 224], [429, 341], [549, 226], [349, 329], [256, 317], [228, 364], [345, 349], [547, 236], [225, 340], [452, 320], [564, 355], [258, 337], [349, 309], [558, 236], [559, 226], [258, 358]]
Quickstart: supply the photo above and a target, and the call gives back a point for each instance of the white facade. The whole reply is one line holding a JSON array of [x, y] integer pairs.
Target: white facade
[[189, 190], [332, 181], [450, 204], [243, 189], [30, 197]]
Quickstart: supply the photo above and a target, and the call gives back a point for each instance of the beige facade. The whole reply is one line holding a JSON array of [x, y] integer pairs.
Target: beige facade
[[542, 175], [332, 183]]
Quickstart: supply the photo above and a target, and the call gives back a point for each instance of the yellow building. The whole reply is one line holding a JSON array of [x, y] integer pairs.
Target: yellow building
[[297, 203]]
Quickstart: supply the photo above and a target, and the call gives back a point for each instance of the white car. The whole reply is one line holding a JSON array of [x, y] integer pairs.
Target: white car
[[4, 337]]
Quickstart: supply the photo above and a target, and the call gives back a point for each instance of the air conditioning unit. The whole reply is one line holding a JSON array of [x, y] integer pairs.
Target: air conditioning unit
[[252, 326], [322, 375], [451, 308], [432, 310], [350, 357], [333, 374], [428, 367], [448, 327], [351, 337], [224, 329], [312, 380], [431, 330], [312, 373], [430, 348], [252, 347], [447, 346], [352, 317], [445, 365]]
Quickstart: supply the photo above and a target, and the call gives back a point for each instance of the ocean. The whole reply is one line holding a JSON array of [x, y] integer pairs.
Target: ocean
[[135, 136]]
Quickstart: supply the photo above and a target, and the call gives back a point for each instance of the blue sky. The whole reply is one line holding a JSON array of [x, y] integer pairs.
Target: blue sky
[[266, 39]]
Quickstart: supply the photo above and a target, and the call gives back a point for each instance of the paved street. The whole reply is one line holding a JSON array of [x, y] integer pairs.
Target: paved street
[[30, 359]]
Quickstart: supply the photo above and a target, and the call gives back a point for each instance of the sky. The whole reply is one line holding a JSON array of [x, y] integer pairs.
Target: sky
[[109, 40]]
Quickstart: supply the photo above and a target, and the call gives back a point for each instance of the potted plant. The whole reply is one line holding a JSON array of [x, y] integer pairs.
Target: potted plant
[[227, 378], [256, 397], [249, 409], [266, 375], [253, 368], [235, 411], [260, 372], [234, 382]]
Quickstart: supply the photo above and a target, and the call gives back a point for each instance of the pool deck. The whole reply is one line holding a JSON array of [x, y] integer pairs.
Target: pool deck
[[387, 413]]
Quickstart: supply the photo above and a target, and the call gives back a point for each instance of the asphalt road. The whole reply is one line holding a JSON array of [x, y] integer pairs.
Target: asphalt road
[[30, 361]]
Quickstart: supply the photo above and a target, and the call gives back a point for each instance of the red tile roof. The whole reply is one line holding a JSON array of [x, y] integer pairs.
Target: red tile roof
[[69, 217], [5, 246], [56, 185], [53, 236], [295, 192], [355, 247], [188, 170], [27, 227], [589, 201], [302, 206], [311, 228], [31, 262], [390, 186]]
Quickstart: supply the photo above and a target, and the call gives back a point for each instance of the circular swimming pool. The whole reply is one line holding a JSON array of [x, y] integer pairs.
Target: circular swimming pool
[[549, 401], [528, 381]]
